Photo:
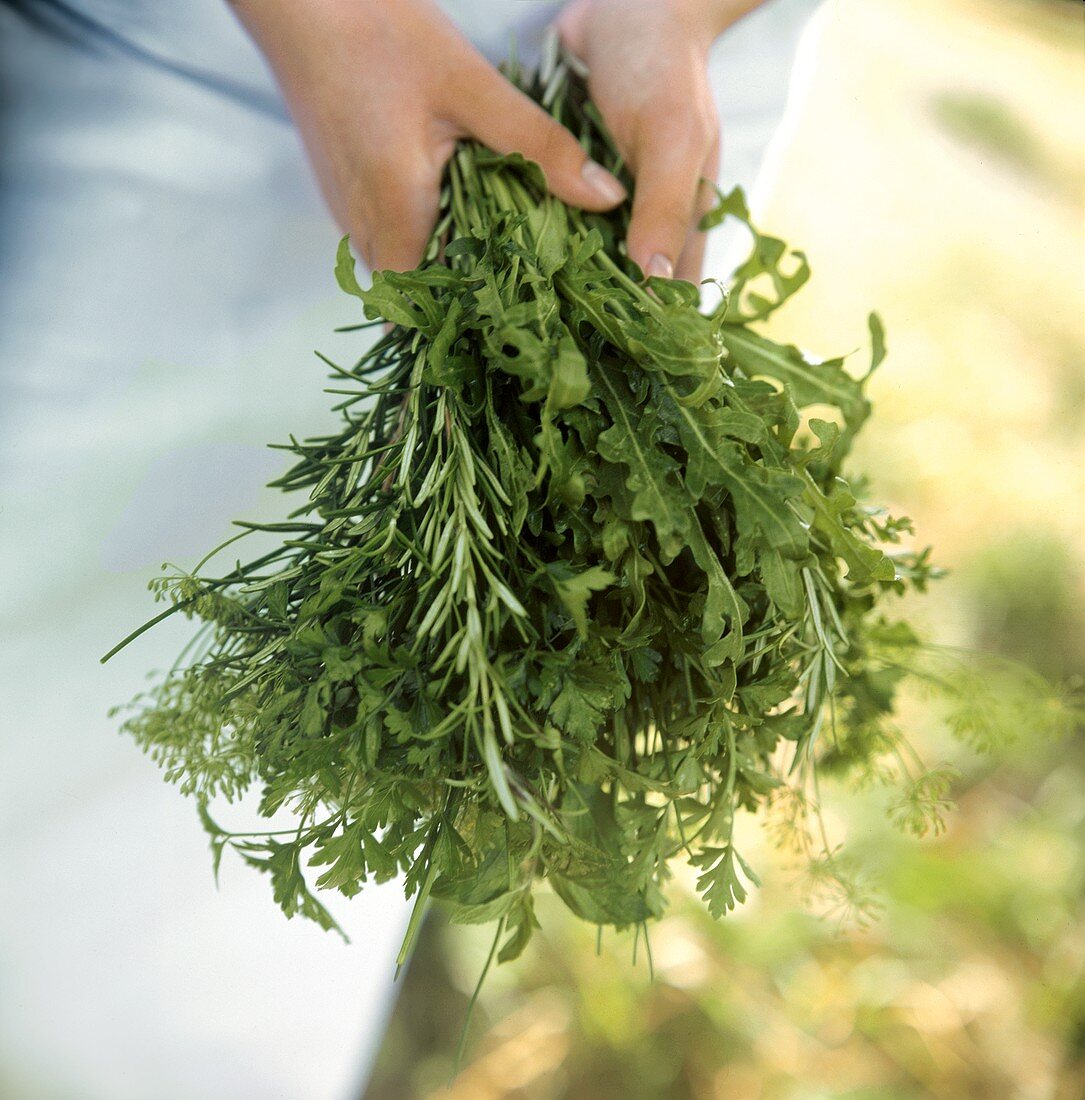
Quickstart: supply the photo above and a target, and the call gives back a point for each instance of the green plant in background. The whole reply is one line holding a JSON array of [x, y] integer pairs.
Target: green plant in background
[[578, 579], [991, 126], [1023, 588]]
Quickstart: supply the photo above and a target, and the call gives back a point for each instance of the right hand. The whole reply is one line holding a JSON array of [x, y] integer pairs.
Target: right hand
[[381, 92]]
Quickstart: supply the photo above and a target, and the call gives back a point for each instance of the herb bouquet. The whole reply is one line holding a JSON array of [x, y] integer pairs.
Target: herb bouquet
[[576, 580]]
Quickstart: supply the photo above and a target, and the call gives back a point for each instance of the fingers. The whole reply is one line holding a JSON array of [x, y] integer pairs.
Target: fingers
[[393, 216], [394, 200], [668, 166], [400, 231], [505, 120], [691, 262]]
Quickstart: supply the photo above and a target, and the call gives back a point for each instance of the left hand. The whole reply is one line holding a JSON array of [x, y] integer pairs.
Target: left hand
[[648, 75]]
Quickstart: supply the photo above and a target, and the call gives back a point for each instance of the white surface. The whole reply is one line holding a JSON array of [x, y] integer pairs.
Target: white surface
[[165, 270]]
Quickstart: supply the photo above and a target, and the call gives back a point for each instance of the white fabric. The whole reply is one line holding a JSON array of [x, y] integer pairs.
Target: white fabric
[[164, 274]]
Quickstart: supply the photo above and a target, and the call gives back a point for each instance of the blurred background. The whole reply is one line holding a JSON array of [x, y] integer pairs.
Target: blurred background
[[936, 174]]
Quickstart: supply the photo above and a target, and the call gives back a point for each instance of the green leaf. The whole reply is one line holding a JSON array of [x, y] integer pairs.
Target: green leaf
[[651, 475], [498, 778], [283, 863], [765, 261], [312, 713], [783, 582], [720, 884], [344, 270], [865, 562], [679, 342], [219, 838], [828, 435], [346, 855], [522, 922], [576, 589], [877, 343], [723, 606], [391, 297], [588, 693], [808, 383], [598, 899]]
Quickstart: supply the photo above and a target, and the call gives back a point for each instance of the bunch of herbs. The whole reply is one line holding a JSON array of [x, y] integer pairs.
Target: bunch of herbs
[[577, 579]]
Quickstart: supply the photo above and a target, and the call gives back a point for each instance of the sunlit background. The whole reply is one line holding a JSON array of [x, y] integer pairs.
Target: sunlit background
[[937, 174]]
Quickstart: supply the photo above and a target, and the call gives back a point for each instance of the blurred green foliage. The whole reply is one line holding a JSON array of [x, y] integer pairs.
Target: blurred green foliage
[[1023, 591], [991, 125]]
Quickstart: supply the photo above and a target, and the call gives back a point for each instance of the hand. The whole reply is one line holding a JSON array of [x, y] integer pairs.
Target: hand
[[381, 91], [648, 75]]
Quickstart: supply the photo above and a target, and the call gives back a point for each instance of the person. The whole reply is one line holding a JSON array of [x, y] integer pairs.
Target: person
[[164, 270]]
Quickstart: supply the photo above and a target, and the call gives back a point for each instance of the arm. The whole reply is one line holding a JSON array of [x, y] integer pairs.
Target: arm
[[381, 90]]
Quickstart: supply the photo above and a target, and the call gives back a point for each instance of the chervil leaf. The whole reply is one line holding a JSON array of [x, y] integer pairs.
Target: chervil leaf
[[283, 863], [720, 884], [575, 589], [346, 854]]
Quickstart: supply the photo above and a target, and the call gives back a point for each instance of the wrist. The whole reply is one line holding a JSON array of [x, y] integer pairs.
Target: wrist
[[708, 19], [282, 24]]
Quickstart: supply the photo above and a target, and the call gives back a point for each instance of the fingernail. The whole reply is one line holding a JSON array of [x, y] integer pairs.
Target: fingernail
[[606, 186], [659, 265]]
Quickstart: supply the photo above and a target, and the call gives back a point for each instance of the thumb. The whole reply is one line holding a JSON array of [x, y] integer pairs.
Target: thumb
[[505, 120]]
